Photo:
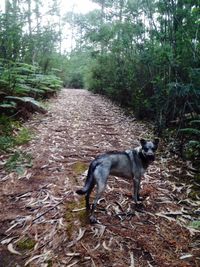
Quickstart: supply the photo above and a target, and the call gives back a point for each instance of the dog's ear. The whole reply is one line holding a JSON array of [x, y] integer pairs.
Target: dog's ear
[[142, 142], [156, 141]]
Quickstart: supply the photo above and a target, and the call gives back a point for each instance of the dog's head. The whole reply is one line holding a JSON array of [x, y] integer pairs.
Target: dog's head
[[149, 148]]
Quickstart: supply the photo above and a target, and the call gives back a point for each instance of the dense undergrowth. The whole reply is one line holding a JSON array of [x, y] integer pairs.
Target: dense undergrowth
[[142, 54], [146, 57], [22, 89], [172, 107]]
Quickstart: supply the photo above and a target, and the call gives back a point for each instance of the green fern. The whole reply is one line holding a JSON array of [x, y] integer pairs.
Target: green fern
[[6, 142], [18, 162], [192, 135], [22, 89], [10, 105], [195, 224], [197, 122], [23, 136], [190, 131], [24, 99]]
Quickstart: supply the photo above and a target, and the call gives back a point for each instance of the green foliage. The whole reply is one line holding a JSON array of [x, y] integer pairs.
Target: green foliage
[[75, 81], [195, 224], [26, 243], [192, 136], [6, 124], [23, 136], [6, 128], [24, 82], [75, 69], [21, 84], [24, 41], [12, 133], [146, 56], [26, 75], [26, 49], [190, 131], [142, 54], [23, 99], [18, 161], [6, 142]]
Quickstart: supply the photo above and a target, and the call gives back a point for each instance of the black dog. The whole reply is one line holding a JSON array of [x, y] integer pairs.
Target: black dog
[[128, 164]]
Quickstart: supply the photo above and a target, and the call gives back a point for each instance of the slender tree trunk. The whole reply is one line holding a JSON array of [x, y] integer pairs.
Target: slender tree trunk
[[102, 22], [29, 18]]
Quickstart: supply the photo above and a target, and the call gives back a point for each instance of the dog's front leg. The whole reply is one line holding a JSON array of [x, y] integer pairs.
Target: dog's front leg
[[136, 193]]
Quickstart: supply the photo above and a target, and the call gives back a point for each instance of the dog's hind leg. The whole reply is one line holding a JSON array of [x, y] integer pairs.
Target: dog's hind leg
[[100, 177], [87, 197], [100, 190]]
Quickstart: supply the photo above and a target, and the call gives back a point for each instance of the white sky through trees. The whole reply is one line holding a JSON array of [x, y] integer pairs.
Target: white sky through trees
[[77, 6]]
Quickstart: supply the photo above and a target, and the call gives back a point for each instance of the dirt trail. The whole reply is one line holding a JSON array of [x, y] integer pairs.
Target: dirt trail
[[42, 220]]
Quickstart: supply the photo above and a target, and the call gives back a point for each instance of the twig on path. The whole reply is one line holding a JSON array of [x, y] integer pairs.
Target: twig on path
[[72, 264], [80, 235], [26, 192], [132, 259], [53, 207], [90, 253]]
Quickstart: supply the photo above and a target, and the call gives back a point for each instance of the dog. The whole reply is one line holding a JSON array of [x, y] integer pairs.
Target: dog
[[127, 164]]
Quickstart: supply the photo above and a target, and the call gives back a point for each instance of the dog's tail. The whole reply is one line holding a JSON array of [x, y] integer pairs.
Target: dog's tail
[[89, 180]]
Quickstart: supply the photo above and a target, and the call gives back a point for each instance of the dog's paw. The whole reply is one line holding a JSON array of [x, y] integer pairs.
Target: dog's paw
[[87, 208], [140, 198], [93, 220]]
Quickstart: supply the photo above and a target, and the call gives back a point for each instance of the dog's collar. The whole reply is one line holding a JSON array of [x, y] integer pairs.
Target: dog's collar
[[142, 155], [144, 159]]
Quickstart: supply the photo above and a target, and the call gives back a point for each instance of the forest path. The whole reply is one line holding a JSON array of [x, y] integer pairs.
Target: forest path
[[43, 221]]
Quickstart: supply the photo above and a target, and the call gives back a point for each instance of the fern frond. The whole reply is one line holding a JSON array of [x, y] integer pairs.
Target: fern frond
[[190, 131]]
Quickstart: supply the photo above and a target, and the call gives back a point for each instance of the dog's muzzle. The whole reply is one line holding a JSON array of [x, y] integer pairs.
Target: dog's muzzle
[[150, 157]]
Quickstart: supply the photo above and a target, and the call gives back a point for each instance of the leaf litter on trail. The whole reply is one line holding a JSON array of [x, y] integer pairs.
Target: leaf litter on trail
[[79, 126]]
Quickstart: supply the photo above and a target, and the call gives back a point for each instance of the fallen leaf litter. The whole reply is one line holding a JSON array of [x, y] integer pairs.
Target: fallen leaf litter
[[41, 206]]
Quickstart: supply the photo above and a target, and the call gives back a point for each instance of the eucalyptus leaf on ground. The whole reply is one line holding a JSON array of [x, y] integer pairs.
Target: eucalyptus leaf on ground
[[42, 206]]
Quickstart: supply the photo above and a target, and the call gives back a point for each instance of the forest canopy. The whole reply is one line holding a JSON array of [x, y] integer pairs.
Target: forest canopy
[[142, 54], [145, 55]]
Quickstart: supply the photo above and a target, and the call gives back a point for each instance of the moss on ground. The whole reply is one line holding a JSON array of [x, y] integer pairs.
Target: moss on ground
[[75, 212], [79, 167], [26, 243]]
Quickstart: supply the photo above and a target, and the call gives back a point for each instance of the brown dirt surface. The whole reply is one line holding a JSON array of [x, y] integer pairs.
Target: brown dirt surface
[[43, 221]]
